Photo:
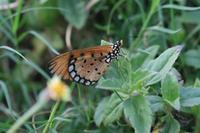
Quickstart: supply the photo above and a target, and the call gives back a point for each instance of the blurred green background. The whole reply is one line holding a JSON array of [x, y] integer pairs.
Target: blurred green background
[[33, 32]]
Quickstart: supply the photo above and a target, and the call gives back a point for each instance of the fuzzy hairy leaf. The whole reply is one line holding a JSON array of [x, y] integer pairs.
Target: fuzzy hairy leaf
[[190, 97], [163, 63], [156, 103], [141, 58], [171, 125], [192, 58], [108, 110], [137, 110], [170, 90]]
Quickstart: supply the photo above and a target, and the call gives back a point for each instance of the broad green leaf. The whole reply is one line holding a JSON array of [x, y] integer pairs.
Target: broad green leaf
[[116, 77], [197, 83], [190, 96], [170, 90], [192, 58], [137, 110], [143, 56], [138, 59], [156, 103], [118, 70], [152, 51], [171, 125], [109, 84], [164, 59], [140, 75], [109, 110], [163, 63], [75, 12], [139, 78], [99, 113]]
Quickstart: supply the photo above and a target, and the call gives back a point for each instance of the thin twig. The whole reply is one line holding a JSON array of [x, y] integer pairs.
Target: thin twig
[[9, 6], [68, 37], [90, 4], [51, 117]]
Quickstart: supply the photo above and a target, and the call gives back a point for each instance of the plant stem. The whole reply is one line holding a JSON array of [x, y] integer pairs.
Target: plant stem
[[153, 9], [17, 17], [27, 115], [50, 120]]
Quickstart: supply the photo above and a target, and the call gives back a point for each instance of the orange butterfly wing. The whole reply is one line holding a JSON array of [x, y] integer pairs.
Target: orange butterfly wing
[[84, 58]]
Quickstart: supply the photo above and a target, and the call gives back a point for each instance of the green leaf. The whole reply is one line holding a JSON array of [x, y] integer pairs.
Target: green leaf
[[109, 84], [7, 96], [138, 112], [179, 36], [178, 7], [138, 59], [156, 103], [171, 125], [164, 30], [140, 75], [139, 78], [99, 113], [197, 83], [108, 110], [190, 17], [170, 90], [116, 77], [192, 58], [75, 12], [154, 6], [143, 56], [103, 42], [190, 97], [163, 63]]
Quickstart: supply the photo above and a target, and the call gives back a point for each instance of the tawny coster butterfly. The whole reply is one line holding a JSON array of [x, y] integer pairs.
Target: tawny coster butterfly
[[85, 66]]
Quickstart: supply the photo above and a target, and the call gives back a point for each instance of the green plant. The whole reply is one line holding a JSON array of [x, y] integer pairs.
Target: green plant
[[146, 89], [137, 87]]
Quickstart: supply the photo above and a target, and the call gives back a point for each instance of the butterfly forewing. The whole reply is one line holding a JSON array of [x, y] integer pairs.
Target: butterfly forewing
[[58, 65]]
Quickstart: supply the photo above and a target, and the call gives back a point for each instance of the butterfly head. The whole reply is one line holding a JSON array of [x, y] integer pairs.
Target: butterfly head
[[117, 45], [115, 51]]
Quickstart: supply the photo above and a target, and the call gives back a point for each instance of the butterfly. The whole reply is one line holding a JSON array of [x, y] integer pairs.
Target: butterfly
[[85, 66]]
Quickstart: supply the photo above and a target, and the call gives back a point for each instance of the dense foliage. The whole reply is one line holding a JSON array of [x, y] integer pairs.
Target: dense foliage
[[153, 87]]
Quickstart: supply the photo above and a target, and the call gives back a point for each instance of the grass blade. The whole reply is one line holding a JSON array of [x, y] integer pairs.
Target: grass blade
[[30, 63]]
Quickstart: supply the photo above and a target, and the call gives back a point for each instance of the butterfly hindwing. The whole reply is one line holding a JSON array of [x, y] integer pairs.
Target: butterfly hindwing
[[88, 70], [75, 65]]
